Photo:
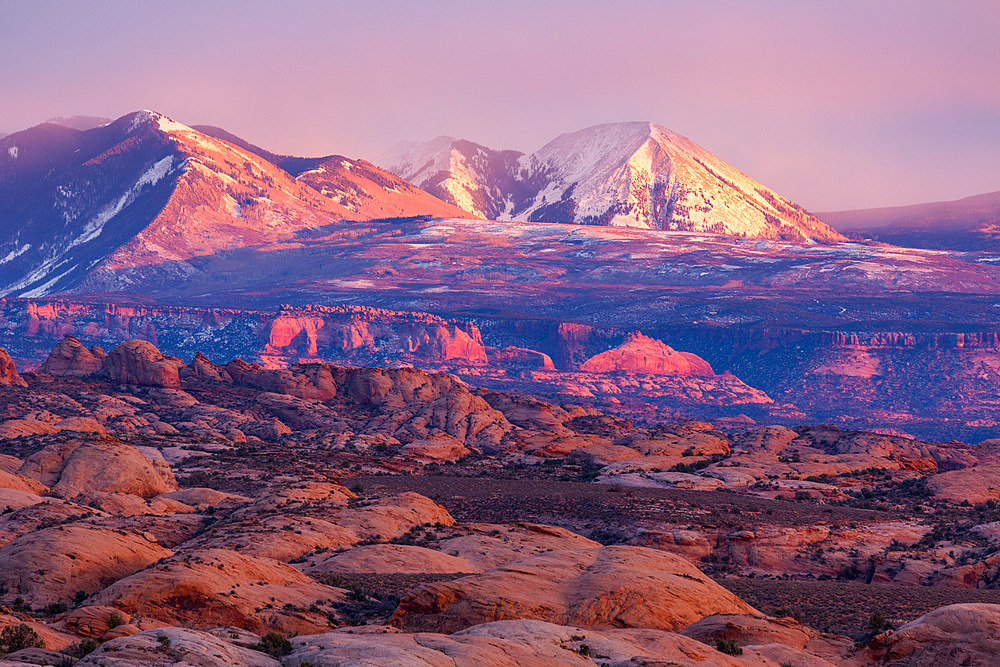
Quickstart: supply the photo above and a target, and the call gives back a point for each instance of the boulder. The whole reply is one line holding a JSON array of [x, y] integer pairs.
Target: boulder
[[69, 358], [95, 621], [138, 362], [606, 587]]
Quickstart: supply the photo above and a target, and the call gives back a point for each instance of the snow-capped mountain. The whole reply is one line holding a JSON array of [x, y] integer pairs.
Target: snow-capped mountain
[[622, 174], [145, 195]]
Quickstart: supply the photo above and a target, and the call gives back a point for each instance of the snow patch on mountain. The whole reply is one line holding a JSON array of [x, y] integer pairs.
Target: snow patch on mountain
[[635, 174], [12, 152]]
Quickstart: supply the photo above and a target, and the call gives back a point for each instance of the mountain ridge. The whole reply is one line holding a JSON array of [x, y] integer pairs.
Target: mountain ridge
[[636, 174]]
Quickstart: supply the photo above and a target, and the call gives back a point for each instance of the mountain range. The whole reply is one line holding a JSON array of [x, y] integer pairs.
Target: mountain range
[[971, 223], [635, 174], [144, 191]]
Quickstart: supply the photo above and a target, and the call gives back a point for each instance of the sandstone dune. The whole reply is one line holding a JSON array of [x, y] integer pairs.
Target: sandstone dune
[[104, 464], [210, 587], [8, 372], [391, 559], [52, 564], [958, 634], [605, 587], [645, 355], [138, 362], [511, 643], [175, 646], [69, 358]]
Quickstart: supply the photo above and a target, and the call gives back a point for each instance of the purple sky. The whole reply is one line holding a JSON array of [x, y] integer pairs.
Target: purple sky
[[844, 104]]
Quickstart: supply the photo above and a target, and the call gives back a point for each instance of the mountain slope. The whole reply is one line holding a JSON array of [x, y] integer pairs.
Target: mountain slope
[[362, 187], [110, 207], [623, 174], [972, 223]]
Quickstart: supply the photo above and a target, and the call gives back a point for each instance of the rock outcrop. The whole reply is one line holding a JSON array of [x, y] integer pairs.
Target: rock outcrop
[[607, 587], [175, 646], [52, 564], [8, 372], [69, 358], [105, 464], [958, 634], [647, 356], [138, 362], [207, 588]]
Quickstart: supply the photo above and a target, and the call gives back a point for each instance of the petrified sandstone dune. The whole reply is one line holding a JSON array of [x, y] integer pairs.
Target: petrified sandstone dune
[[105, 464], [52, 564], [958, 634], [512, 643], [210, 587], [138, 362], [8, 373], [178, 646], [605, 587], [69, 358]]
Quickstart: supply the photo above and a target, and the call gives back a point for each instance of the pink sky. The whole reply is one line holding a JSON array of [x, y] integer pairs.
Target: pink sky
[[837, 105]]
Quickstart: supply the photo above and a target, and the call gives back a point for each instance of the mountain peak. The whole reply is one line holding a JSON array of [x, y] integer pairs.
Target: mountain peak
[[629, 174]]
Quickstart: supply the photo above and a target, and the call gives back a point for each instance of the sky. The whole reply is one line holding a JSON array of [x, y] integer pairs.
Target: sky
[[835, 104]]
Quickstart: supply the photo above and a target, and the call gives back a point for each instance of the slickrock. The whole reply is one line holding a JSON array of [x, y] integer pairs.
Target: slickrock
[[644, 355], [81, 424], [203, 369], [69, 358], [602, 455], [439, 447], [53, 638], [94, 621], [391, 559], [206, 588], [509, 643], [958, 634], [977, 484], [8, 372], [763, 631], [201, 498], [175, 646], [138, 362], [52, 564], [616, 586], [104, 464], [391, 517], [771, 439], [17, 482], [488, 546]]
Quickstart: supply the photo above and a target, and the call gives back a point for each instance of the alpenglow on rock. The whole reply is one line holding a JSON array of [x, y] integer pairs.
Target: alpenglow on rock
[[636, 174]]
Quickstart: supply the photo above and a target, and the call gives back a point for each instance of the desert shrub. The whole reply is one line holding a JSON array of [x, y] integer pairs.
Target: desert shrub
[[80, 598], [115, 619], [54, 608], [81, 648], [728, 646], [274, 644], [17, 637], [877, 620]]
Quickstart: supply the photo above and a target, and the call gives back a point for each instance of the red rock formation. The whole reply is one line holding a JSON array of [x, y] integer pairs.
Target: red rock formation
[[138, 362], [8, 373], [641, 354], [70, 358]]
